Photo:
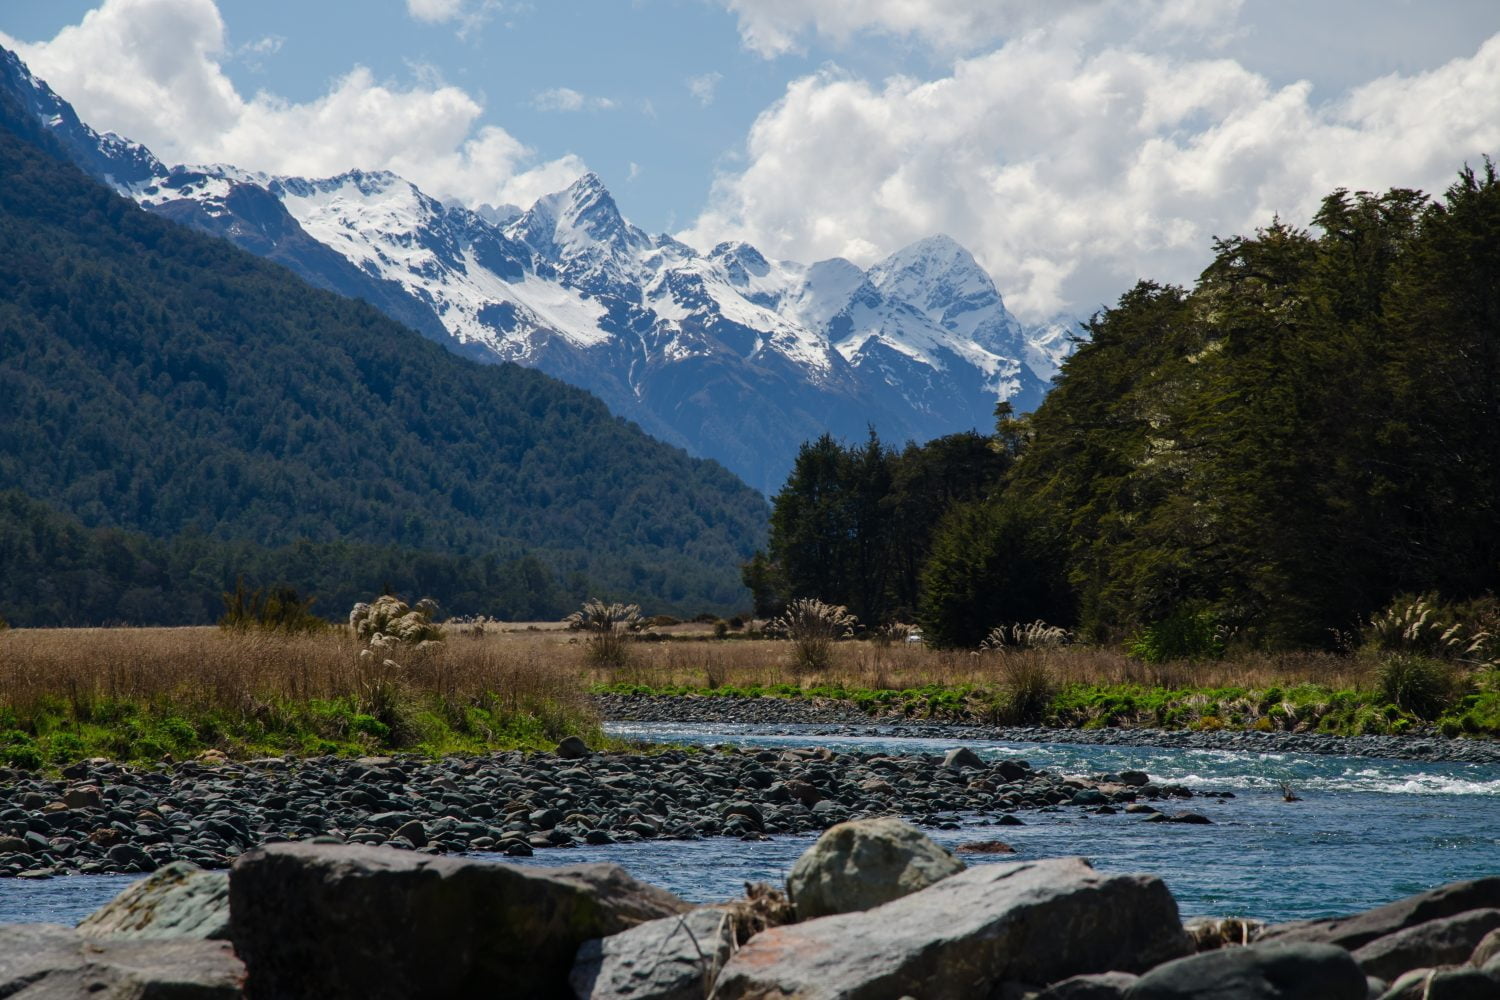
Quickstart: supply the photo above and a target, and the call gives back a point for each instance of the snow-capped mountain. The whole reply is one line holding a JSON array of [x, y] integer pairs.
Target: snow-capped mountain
[[729, 354]]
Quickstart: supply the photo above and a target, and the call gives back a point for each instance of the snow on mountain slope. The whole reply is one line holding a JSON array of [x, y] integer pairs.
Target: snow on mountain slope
[[727, 353]]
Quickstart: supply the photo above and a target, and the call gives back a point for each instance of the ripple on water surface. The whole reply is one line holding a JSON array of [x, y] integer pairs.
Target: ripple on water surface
[[1367, 831]]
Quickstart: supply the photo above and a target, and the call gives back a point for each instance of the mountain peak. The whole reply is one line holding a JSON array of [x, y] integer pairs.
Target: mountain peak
[[580, 216]]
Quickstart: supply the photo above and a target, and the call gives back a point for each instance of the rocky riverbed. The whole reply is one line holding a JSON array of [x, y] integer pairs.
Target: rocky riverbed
[[104, 818], [873, 911], [842, 718]]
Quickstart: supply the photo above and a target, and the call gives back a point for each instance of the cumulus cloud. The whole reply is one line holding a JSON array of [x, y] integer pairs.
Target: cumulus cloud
[[568, 99], [114, 69], [1073, 164]]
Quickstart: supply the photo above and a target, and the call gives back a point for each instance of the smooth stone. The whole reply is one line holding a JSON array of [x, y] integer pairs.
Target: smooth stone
[[1353, 931], [1445, 941], [178, 900], [572, 748], [1444, 984], [985, 847], [674, 958], [863, 863], [962, 757], [1019, 922], [1097, 986], [1294, 971], [1487, 949], [365, 922], [52, 962]]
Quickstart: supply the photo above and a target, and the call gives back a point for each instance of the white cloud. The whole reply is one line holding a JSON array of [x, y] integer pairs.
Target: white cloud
[[434, 11], [703, 87], [568, 99], [469, 15], [1073, 165], [176, 99], [777, 27]]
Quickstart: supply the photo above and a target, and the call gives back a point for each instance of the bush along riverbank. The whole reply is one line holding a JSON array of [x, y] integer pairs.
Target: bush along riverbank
[[102, 817], [873, 910], [1029, 697]]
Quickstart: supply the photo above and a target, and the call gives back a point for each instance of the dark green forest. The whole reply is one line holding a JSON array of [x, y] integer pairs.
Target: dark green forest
[[176, 413], [1308, 433]]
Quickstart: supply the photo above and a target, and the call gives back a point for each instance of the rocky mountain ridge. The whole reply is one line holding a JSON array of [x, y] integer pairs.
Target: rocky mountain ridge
[[729, 354]]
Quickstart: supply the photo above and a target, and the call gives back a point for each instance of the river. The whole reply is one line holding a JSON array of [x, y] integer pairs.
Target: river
[[1367, 831]]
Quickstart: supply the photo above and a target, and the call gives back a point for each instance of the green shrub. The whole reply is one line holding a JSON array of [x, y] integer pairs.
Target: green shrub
[[279, 609], [1416, 684], [1183, 635]]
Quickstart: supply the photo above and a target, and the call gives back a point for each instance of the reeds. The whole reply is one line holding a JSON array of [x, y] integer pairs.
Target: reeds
[[244, 673]]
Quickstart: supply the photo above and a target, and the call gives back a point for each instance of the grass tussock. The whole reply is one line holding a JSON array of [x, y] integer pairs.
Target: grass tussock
[[145, 693]]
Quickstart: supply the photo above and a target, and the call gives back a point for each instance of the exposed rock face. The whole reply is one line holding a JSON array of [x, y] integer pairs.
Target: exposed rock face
[[1445, 941], [355, 922], [674, 958], [966, 936], [1297, 971], [1362, 928], [178, 901], [51, 962], [864, 863]]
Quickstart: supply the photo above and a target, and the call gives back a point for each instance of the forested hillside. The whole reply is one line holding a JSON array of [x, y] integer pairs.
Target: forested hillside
[[222, 417], [1278, 453]]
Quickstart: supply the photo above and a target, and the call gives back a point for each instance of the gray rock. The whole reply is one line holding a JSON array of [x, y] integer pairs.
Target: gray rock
[[864, 863], [572, 748], [176, 901], [1023, 922], [674, 958], [82, 797], [348, 921], [1445, 941], [1444, 984], [1293, 971], [1362, 928], [961, 757], [1486, 949], [1097, 986], [52, 962], [414, 832]]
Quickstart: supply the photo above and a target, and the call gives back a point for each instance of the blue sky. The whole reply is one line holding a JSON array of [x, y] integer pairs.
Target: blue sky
[[1072, 146]]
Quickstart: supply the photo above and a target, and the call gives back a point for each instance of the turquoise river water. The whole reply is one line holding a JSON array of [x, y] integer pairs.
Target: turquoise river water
[[1367, 831]]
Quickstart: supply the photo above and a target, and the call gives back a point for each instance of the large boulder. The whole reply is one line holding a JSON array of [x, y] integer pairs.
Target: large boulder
[[1362, 928], [52, 962], [1030, 922], [1296, 971], [674, 958], [864, 863], [1445, 941], [176, 901], [335, 921], [1444, 984]]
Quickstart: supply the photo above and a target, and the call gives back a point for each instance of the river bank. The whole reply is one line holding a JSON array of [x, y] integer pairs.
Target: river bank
[[106, 818], [836, 717]]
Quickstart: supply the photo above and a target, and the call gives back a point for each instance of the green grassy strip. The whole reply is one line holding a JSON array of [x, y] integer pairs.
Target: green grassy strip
[[1303, 707], [58, 734]]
